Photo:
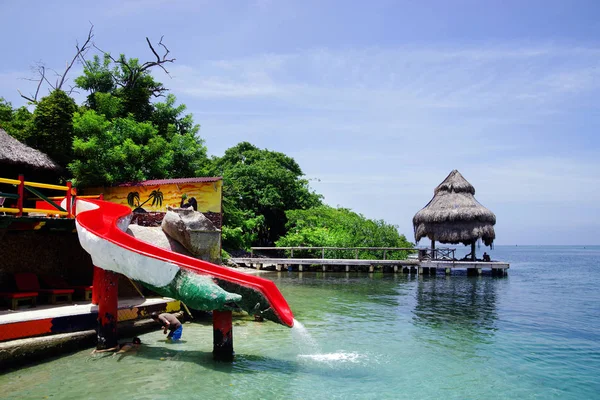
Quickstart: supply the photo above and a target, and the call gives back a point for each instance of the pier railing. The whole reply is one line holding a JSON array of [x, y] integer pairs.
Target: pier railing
[[437, 254], [384, 253]]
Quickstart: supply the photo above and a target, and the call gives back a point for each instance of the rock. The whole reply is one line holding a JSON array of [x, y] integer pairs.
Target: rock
[[194, 231], [157, 237]]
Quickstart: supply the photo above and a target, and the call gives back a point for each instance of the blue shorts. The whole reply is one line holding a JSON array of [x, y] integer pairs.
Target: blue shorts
[[176, 334]]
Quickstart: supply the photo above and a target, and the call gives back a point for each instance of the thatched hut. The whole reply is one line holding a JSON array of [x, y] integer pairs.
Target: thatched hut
[[454, 216], [17, 158]]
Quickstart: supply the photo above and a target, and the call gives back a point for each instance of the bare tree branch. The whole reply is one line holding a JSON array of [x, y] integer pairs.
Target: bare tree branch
[[61, 78], [80, 50], [159, 60]]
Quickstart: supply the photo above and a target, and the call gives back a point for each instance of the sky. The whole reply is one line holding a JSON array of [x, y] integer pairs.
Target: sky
[[378, 101]]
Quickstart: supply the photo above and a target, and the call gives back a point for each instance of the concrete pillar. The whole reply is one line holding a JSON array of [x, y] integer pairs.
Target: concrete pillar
[[278, 267], [420, 271], [371, 268], [478, 271], [324, 268], [347, 268], [300, 267], [395, 268], [448, 270], [108, 304], [222, 336]]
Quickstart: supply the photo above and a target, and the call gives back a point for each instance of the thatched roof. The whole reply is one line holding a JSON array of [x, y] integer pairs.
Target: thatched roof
[[454, 216], [14, 152]]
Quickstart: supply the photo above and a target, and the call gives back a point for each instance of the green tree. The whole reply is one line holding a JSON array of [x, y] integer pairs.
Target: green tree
[[260, 186], [340, 227], [142, 139], [52, 127], [120, 150], [16, 122]]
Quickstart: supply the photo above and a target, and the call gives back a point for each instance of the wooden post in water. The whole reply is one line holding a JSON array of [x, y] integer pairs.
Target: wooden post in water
[[222, 336], [473, 258]]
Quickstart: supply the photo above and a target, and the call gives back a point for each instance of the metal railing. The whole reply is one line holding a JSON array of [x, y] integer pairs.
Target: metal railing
[[437, 254], [338, 251]]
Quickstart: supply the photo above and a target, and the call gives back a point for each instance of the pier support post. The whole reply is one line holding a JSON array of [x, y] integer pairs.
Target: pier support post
[[222, 336], [371, 268], [324, 267], [420, 271], [478, 271], [347, 268], [300, 267], [448, 271], [108, 303], [278, 267], [395, 268]]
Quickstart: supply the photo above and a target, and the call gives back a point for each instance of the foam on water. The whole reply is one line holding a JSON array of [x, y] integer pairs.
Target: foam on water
[[333, 357]]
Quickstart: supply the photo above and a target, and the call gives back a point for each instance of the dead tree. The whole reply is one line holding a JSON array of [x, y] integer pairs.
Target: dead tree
[[134, 70], [60, 78]]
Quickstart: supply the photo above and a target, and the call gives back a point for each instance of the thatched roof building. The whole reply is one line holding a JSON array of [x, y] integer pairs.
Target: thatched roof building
[[454, 216], [17, 158]]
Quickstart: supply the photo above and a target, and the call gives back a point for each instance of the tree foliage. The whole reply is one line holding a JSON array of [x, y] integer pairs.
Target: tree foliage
[[123, 136], [52, 127], [340, 227], [16, 122], [260, 186]]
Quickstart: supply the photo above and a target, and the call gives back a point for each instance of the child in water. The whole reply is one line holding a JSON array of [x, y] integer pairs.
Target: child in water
[[123, 347]]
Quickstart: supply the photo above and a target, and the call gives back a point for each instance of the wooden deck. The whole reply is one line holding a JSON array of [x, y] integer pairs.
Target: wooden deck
[[415, 266]]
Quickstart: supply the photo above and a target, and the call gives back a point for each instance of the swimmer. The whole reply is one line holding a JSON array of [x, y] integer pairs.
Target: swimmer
[[122, 348]]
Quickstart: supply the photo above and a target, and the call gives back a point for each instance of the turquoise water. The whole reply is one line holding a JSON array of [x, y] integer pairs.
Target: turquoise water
[[533, 334]]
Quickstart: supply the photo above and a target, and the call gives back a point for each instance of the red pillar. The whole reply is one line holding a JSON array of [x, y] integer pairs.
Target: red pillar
[[97, 284], [222, 336], [108, 301]]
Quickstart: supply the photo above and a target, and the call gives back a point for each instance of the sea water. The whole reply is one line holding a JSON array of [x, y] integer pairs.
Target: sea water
[[532, 334]]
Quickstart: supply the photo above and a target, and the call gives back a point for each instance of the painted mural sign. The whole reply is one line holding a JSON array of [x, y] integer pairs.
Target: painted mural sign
[[156, 195]]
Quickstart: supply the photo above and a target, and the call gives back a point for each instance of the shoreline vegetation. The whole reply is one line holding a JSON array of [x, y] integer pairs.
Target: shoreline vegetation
[[130, 128]]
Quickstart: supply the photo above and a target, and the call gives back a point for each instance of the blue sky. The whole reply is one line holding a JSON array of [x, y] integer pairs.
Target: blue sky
[[377, 101]]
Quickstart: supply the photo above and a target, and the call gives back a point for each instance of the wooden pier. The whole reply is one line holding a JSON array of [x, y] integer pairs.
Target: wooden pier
[[425, 263]]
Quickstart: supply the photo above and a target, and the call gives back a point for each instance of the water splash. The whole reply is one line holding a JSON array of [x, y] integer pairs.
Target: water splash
[[301, 335], [333, 357]]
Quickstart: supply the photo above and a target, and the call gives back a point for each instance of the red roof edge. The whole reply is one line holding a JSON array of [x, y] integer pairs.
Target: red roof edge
[[171, 181]]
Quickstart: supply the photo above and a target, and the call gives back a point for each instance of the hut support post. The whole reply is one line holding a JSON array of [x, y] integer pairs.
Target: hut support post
[[473, 258], [108, 301], [432, 248], [222, 336]]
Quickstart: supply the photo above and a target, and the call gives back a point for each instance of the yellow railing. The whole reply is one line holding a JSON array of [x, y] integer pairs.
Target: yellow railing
[[23, 185]]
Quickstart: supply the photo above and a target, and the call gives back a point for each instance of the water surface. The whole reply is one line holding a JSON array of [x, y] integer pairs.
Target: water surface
[[533, 334]]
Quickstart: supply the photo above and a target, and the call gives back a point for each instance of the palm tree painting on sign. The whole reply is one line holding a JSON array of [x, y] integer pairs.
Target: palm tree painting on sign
[[133, 199]]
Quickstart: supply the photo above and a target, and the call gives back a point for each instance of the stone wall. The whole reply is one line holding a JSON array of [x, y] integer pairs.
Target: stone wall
[[155, 218]]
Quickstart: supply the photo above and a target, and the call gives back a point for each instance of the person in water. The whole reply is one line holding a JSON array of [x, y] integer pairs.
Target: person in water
[[123, 347], [169, 322]]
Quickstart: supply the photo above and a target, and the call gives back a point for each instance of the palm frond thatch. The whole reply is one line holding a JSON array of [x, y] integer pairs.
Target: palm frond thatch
[[14, 152], [454, 215]]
